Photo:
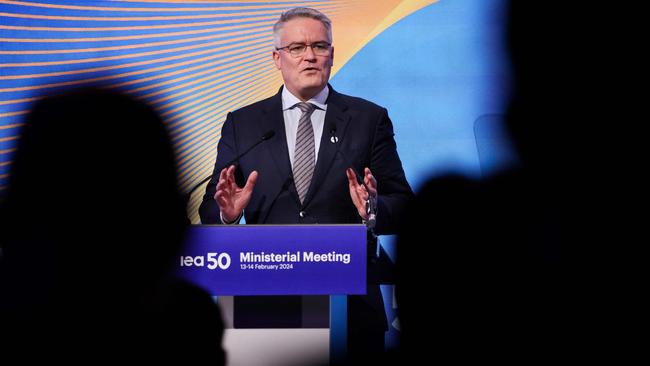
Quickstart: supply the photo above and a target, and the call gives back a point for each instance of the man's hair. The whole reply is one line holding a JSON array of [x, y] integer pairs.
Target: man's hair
[[300, 13]]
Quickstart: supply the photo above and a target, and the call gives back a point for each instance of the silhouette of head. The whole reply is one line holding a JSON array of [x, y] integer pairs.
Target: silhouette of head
[[93, 190]]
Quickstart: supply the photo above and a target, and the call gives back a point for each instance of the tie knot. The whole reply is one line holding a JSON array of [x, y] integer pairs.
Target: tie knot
[[306, 108]]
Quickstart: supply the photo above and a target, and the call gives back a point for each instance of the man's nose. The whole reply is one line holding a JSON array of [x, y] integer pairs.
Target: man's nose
[[309, 53]]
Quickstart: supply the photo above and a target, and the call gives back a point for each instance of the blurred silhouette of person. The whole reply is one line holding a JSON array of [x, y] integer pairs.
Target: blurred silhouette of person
[[570, 71], [86, 271], [487, 251]]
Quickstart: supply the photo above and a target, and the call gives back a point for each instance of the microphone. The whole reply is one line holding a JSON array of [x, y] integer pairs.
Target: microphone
[[268, 135], [371, 204]]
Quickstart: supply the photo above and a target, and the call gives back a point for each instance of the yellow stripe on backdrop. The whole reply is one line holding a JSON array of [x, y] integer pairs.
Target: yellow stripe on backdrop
[[141, 54], [118, 76], [10, 138], [269, 5], [191, 122], [262, 29], [259, 21], [193, 88], [182, 105], [12, 125], [129, 18], [167, 65], [131, 27]]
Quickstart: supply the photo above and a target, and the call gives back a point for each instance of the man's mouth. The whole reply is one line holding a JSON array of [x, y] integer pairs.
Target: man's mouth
[[310, 69]]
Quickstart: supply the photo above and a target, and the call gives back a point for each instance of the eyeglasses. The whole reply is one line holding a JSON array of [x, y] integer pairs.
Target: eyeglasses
[[298, 49]]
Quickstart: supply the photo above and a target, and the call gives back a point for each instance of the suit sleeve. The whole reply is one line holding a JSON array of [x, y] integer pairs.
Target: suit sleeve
[[393, 189], [226, 151]]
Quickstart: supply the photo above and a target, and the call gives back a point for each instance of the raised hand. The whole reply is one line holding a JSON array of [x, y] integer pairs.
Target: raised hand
[[231, 198], [359, 193]]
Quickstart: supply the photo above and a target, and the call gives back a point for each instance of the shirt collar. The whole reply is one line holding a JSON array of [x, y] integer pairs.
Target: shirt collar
[[289, 100]]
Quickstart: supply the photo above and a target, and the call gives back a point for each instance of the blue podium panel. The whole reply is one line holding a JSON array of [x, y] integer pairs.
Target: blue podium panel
[[276, 260]]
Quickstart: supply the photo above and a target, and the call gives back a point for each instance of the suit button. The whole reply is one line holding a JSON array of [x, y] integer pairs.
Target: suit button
[[302, 214]]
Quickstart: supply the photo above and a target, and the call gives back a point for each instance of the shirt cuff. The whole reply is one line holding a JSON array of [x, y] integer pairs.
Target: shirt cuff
[[236, 221]]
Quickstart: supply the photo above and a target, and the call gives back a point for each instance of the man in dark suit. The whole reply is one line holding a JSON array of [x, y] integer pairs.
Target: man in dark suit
[[303, 174]]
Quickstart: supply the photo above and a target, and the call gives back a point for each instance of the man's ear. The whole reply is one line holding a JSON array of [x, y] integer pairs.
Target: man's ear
[[332, 56], [277, 60]]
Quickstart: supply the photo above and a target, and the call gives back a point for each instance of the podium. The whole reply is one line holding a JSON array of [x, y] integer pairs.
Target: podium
[[281, 260]]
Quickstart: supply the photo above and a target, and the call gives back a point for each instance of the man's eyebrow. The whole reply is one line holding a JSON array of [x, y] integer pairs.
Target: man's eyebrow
[[300, 42]]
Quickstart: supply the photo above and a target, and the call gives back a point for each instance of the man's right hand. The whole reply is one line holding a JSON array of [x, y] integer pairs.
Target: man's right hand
[[231, 199]]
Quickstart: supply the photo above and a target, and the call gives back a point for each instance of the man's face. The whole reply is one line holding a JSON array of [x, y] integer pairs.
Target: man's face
[[305, 75]]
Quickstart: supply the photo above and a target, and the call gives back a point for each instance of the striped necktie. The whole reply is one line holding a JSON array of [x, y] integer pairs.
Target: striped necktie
[[304, 158]]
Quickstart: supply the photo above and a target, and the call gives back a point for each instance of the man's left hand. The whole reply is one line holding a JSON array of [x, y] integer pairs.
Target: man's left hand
[[358, 192]]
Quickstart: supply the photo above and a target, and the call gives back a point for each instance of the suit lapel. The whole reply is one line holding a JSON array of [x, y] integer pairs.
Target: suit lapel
[[278, 148], [336, 120]]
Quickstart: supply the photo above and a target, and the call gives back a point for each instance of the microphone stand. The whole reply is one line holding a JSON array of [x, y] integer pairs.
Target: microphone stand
[[188, 195]]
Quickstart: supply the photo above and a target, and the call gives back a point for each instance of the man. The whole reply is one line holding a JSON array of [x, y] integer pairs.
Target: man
[[303, 175]]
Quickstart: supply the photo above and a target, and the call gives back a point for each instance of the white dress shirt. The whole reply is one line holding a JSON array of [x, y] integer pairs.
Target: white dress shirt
[[292, 117]]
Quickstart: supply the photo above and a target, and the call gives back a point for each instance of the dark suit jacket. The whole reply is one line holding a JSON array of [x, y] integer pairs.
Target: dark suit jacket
[[365, 139]]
